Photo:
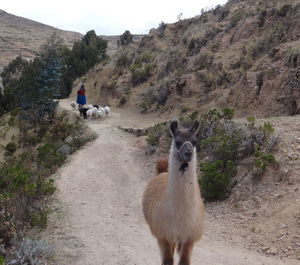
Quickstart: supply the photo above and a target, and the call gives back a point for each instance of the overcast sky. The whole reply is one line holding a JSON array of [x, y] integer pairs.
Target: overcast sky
[[109, 17]]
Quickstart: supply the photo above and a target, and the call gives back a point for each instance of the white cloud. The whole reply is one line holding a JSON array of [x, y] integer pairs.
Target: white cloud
[[108, 17]]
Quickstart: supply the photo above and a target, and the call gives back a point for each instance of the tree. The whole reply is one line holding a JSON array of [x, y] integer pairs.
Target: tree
[[83, 56], [13, 71], [40, 83], [126, 38], [10, 78]]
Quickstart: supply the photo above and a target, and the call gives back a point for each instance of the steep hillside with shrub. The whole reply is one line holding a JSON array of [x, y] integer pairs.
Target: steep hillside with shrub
[[243, 55], [29, 156], [36, 137]]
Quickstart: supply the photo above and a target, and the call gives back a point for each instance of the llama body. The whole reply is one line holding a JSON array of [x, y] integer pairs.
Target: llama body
[[173, 208]]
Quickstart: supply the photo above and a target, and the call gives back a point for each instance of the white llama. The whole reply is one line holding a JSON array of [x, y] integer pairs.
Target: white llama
[[172, 203]]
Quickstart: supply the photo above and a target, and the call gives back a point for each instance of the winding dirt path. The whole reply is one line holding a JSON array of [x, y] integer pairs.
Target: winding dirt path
[[98, 216]]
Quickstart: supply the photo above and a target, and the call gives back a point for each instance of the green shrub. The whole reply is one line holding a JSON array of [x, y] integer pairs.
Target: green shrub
[[47, 187], [204, 60], [215, 179], [228, 113], [236, 17], [140, 72], [34, 140], [49, 157], [261, 161], [154, 133], [78, 142], [224, 145], [123, 59], [61, 130], [184, 109], [13, 177], [267, 129], [39, 218], [250, 122]]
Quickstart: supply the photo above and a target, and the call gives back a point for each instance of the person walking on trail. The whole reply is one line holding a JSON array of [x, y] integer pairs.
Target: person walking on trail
[[81, 99]]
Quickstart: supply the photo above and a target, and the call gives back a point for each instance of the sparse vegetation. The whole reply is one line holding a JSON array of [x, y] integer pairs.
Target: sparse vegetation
[[224, 144], [32, 252], [227, 143], [236, 17], [140, 72], [155, 132]]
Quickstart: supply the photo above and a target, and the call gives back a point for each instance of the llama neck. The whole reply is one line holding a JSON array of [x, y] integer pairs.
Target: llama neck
[[183, 186]]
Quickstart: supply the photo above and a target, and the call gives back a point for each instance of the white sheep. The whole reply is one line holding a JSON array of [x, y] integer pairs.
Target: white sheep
[[90, 113], [107, 110], [90, 106], [100, 113]]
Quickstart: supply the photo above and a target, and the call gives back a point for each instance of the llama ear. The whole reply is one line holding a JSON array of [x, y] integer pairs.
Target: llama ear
[[174, 127], [194, 127]]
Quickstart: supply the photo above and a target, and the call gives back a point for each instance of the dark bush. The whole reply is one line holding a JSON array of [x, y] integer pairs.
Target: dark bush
[[49, 156], [122, 101], [215, 179], [10, 148], [126, 38], [161, 28]]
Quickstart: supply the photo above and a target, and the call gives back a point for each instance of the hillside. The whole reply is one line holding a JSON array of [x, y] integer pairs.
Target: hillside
[[244, 55], [21, 36], [112, 42]]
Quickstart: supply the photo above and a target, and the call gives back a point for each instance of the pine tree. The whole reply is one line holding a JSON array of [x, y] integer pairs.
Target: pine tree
[[40, 83]]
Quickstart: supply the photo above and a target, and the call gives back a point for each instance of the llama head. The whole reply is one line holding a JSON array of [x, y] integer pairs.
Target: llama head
[[184, 141]]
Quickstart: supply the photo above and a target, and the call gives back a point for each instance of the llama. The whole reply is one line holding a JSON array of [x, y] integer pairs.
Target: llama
[[172, 203]]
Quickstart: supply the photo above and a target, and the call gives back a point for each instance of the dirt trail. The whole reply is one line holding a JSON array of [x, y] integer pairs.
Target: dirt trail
[[98, 216]]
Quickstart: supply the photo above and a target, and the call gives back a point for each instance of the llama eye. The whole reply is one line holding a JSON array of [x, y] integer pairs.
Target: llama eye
[[178, 144]]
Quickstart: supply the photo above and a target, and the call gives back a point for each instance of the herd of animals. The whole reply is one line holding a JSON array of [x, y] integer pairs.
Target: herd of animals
[[90, 111]]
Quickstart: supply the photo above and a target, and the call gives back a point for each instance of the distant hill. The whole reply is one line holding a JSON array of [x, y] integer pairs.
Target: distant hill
[[22, 36]]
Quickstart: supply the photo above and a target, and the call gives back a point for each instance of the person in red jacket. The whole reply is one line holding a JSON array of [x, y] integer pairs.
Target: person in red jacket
[[81, 99]]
